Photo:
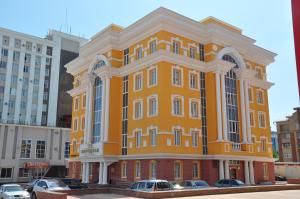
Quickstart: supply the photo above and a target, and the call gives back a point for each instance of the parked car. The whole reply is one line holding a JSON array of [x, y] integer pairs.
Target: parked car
[[229, 183], [74, 183], [9, 191], [280, 178], [151, 185], [48, 185], [195, 184], [177, 186], [29, 185]]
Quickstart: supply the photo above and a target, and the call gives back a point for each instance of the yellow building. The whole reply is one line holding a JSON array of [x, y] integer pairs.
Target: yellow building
[[171, 98]]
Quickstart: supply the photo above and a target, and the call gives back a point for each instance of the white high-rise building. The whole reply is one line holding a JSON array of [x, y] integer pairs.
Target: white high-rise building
[[33, 78]]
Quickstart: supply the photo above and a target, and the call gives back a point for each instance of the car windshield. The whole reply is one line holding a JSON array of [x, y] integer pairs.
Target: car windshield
[[201, 183], [56, 183], [13, 188], [163, 185]]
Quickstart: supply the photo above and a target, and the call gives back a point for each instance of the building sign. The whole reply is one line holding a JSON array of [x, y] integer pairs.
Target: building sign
[[90, 150], [36, 165]]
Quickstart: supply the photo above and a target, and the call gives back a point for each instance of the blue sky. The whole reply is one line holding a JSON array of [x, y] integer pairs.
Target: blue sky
[[269, 22]]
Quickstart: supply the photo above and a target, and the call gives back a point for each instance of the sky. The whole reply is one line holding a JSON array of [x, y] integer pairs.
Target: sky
[[269, 22]]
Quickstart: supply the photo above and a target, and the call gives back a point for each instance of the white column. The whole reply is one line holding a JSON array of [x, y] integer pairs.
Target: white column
[[221, 169], [87, 172], [252, 181], [83, 176], [249, 134], [224, 111], [104, 180], [246, 172], [226, 169], [107, 90], [219, 117], [244, 123], [89, 113], [103, 110], [41, 91], [100, 173]]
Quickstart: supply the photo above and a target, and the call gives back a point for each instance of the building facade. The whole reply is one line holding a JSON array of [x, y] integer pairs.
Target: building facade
[[171, 98], [274, 138], [289, 138], [32, 151], [32, 70]]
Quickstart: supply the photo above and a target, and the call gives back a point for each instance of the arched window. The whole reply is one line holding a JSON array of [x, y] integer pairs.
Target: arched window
[[99, 64], [231, 102], [98, 87]]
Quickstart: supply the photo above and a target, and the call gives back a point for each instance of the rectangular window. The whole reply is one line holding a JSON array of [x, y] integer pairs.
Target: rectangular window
[[153, 169], [194, 109], [28, 46], [176, 46], [193, 81], [177, 76], [177, 137], [266, 171], [261, 120], [177, 105], [139, 53], [250, 94], [152, 134], [82, 123], [137, 169], [76, 103], [5, 40], [153, 46], [138, 139], [6, 172], [138, 109], [74, 147], [45, 96], [40, 149], [16, 57], [177, 173], [4, 52], [152, 106], [17, 43], [83, 101], [25, 149], [252, 118], [49, 51], [124, 170], [195, 136], [260, 97], [201, 52], [195, 170], [75, 124], [67, 150], [11, 104], [263, 145], [23, 172], [138, 81], [152, 77], [192, 52], [126, 56], [39, 48]]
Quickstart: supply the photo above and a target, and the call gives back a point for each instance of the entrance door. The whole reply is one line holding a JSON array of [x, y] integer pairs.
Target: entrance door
[[233, 173]]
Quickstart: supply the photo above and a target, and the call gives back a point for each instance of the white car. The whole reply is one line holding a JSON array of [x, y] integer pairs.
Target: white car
[[10, 191], [48, 185], [151, 185]]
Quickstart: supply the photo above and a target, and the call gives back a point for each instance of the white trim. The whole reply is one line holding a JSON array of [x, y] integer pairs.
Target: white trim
[[155, 96], [73, 124], [265, 121], [173, 96], [134, 102], [190, 108], [197, 80], [148, 133], [176, 67], [134, 81], [148, 76], [177, 127], [74, 107], [257, 96]]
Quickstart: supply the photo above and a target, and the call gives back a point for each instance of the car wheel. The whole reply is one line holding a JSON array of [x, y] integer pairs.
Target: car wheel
[[33, 196]]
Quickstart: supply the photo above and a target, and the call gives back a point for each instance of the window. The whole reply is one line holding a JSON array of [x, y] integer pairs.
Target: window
[[258, 74], [152, 134], [11, 104], [252, 118], [138, 109], [152, 106], [152, 76], [138, 138], [139, 53], [177, 170], [76, 103], [83, 101], [23, 172], [286, 145], [5, 40], [176, 46], [192, 52], [250, 94], [39, 48], [5, 172], [82, 123], [49, 51], [28, 46], [195, 170], [3, 64], [266, 171], [40, 149], [12, 91], [124, 169], [47, 72], [177, 76], [137, 169], [260, 97], [177, 137], [126, 56], [153, 46], [193, 76], [25, 149], [17, 43], [177, 105], [263, 144], [98, 109], [16, 57], [195, 136], [4, 52], [201, 52], [26, 69], [48, 61], [194, 108], [261, 120], [67, 150], [75, 124], [45, 96], [138, 81], [74, 147], [153, 169]]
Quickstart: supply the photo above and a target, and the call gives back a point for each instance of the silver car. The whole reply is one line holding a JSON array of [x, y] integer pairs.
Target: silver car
[[48, 185], [195, 184], [151, 185], [10, 191]]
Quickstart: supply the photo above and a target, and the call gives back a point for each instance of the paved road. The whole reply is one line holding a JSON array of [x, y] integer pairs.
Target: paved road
[[291, 194]]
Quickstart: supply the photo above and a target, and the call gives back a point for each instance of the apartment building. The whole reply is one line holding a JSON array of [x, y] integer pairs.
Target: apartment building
[[33, 78], [172, 98], [288, 132]]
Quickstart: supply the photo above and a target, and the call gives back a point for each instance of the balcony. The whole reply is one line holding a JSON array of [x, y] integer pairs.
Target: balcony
[[236, 147]]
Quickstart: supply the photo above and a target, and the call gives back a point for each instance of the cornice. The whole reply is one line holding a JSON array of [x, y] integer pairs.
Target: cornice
[[261, 83]]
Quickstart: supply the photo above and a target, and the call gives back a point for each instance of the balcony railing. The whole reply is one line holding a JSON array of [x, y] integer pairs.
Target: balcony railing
[[236, 147]]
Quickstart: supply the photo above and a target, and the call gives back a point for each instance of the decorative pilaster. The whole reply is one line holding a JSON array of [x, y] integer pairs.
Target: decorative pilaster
[[224, 111], [246, 172], [252, 181], [219, 117], [89, 111], [226, 169], [249, 133], [107, 94], [221, 169], [100, 172], [242, 97]]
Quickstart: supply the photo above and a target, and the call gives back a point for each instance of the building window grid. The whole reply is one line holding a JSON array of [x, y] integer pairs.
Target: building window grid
[[124, 115], [138, 138], [194, 108], [98, 106], [193, 77], [138, 109], [177, 76], [195, 170], [152, 77], [152, 106], [6, 173], [126, 56], [40, 149], [67, 150], [177, 170], [139, 53], [193, 52], [153, 46], [138, 81], [176, 47], [261, 120], [25, 149], [203, 113], [201, 52], [153, 136], [137, 169], [177, 137], [195, 138], [153, 169]]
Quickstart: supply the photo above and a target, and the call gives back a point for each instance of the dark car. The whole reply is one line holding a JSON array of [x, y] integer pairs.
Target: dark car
[[74, 183], [280, 178], [229, 183]]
